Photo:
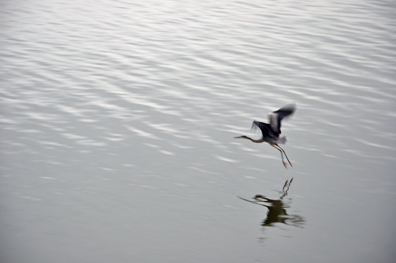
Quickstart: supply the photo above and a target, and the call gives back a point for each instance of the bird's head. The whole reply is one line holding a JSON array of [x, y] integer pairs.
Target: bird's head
[[241, 137]]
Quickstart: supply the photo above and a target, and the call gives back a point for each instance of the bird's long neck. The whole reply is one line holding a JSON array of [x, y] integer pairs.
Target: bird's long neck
[[253, 140]]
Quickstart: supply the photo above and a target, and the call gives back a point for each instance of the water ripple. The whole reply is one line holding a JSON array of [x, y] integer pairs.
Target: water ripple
[[101, 98]]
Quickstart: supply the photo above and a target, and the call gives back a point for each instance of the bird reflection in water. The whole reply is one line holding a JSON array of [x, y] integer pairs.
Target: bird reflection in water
[[277, 209]]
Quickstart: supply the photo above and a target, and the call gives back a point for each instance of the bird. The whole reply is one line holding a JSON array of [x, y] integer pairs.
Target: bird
[[271, 132]]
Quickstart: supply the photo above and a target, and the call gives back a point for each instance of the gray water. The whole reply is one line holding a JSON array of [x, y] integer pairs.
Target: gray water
[[117, 125]]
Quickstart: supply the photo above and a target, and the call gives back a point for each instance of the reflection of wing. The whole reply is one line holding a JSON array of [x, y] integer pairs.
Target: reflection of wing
[[277, 212], [276, 117]]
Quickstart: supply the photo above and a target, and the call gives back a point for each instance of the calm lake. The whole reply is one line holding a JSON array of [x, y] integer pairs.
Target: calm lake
[[118, 118]]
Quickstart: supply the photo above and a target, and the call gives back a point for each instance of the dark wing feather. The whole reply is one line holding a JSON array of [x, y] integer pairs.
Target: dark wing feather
[[286, 111], [264, 127], [276, 117]]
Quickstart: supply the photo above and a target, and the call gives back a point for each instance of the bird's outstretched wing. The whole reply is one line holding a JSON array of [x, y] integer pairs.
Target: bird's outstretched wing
[[276, 117], [264, 127]]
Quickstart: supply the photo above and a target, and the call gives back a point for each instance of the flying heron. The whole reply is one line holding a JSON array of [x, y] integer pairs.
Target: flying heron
[[272, 130]]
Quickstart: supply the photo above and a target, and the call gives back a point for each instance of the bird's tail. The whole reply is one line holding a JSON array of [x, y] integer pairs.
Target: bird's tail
[[282, 140]]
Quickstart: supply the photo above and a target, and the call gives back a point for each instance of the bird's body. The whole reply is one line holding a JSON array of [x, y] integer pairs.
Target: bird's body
[[271, 132]]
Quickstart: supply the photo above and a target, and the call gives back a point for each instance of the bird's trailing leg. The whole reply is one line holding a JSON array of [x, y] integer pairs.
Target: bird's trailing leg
[[273, 145], [285, 154], [276, 146]]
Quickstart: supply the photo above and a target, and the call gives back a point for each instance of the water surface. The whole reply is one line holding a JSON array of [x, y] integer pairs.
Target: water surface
[[117, 125]]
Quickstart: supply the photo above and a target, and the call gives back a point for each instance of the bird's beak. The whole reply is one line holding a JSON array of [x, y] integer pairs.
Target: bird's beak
[[238, 137]]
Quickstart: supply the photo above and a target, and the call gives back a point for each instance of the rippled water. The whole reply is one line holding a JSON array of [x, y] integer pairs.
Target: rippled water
[[118, 118]]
